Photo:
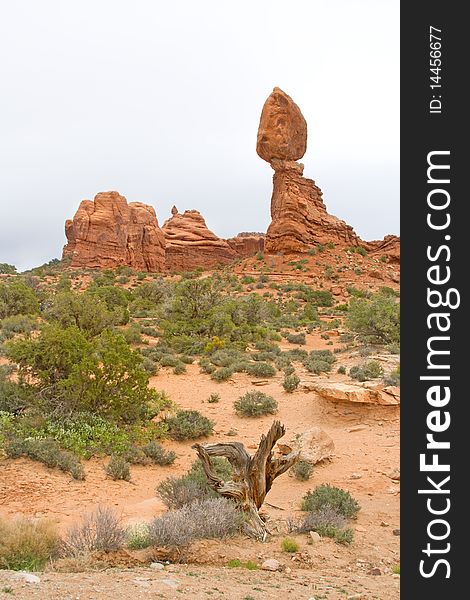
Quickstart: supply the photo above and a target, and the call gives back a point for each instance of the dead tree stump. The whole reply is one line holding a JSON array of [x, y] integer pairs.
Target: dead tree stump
[[252, 476]]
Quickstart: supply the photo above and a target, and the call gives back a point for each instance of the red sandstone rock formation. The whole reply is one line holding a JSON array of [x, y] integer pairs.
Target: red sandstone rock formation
[[389, 247], [190, 244], [299, 216], [282, 131], [247, 244], [108, 232]]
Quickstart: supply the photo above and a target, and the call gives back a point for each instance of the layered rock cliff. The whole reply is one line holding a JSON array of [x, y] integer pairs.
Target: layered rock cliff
[[191, 244], [108, 232]]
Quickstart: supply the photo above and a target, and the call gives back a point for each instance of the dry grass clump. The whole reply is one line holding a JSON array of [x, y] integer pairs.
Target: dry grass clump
[[26, 544], [100, 530], [202, 519]]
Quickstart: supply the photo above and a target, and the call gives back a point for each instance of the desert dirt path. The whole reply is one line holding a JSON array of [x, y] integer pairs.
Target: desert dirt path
[[195, 582]]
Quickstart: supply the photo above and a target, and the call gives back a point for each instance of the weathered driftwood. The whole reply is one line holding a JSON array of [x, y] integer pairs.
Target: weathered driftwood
[[252, 476]]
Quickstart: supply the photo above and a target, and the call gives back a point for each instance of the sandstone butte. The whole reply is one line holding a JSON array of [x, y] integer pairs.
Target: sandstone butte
[[299, 216], [108, 232], [190, 243]]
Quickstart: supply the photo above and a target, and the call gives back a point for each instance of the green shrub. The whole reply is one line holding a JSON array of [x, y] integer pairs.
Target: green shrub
[[370, 370], [255, 404], [289, 545], [236, 563], [296, 338], [138, 536], [342, 370], [179, 368], [260, 369], [6, 269], [10, 326], [344, 536], [16, 298], [86, 311], [158, 454], [291, 382], [168, 360], [187, 360], [176, 492], [213, 398], [393, 378], [336, 498], [189, 425], [222, 374], [302, 470], [72, 373], [48, 452], [376, 319], [14, 398], [206, 366], [118, 468], [27, 545]]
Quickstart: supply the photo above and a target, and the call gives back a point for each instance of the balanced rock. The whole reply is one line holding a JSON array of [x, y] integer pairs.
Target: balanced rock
[[191, 244], [282, 132], [108, 232], [299, 216]]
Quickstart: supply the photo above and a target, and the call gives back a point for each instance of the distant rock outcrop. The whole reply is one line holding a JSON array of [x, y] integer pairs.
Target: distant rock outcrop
[[108, 232], [190, 244], [389, 247], [247, 244], [299, 216]]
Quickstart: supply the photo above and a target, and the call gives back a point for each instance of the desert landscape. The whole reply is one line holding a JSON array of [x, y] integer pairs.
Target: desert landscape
[[146, 348]]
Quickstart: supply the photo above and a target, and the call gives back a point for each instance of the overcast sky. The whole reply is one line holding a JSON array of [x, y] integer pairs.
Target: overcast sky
[[161, 102]]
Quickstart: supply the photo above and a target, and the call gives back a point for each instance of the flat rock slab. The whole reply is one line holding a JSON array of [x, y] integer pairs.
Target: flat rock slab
[[350, 392]]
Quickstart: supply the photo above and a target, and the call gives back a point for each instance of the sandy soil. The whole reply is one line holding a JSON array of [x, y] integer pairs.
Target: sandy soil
[[367, 451]]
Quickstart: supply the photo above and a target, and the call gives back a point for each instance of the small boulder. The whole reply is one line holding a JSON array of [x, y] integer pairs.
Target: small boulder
[[314, 537], [314, 445], [271, 564], [27, 577]]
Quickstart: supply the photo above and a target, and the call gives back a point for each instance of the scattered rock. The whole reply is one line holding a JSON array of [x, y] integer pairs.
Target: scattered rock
[[314, 537], [394, 474], [173, 583], [357, 428], [157, 566], [27, 577], [396, 532], [271, 564], [314, 445], [375, 571], [355, 476], [360, 529]]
